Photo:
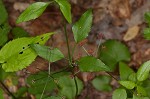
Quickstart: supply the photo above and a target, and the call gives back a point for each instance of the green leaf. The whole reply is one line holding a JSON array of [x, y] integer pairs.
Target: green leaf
[[67, 86], [19, 32], [38, 81], [83, 26], [4, 14], [146, 86], [138, 97], [132, 77], [32, 12], [119, 94], [3, 74], [1, 94], [143, 71], [45, 52], [127, 84], [141, 91], [91, 64], [147, 33], [124, 71], [54, 97], [147, 17], [4, 30], [17, 54], [65, 8], [111, 52], [21, 92], [102, 83]]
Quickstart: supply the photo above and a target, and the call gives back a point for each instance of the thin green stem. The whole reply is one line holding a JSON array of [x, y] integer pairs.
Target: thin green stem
[[68, 47], [72, 54], [75, 80]]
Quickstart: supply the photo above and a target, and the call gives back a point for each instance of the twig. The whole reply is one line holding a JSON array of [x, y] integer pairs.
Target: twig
[[7, 89], [85, 51], [112, 76]]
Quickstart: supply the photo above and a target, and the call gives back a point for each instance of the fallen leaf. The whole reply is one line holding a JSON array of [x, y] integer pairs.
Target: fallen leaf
[[131, 33], [20, 6]]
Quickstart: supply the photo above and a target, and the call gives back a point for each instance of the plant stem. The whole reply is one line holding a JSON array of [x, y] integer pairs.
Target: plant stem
[[75, 80], [85, 51], [72, 54], [112, 76], [66, 36], [7, 90]]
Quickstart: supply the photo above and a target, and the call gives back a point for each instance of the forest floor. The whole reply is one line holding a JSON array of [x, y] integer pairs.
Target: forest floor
[[115, 19]]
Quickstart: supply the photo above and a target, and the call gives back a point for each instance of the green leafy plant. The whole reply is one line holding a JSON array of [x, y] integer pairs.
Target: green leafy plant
[[132, 82], [102, 83], [147, 30], [65, 83]]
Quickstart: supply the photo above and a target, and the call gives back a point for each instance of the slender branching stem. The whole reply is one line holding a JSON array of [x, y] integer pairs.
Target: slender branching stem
[[112, 76], [75, 81], [72, 54], [68, 47], [7, 90]]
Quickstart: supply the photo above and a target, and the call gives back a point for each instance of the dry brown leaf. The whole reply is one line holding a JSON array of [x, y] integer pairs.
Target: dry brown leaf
[[120, 9], [131, 33], [20, 6], [137, 16]]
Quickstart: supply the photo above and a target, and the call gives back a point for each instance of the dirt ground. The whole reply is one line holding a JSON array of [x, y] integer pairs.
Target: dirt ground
[[115, 19]]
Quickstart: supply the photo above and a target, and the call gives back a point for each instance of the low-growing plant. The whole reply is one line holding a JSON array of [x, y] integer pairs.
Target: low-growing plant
[[19, 53]]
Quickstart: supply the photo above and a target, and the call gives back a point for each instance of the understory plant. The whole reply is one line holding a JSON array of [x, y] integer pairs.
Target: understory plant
[[20, 52]]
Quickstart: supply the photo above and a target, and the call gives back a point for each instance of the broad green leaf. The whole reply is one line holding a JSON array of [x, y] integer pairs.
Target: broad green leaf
[[141, 91], [38, 96], [119, 94], [4, 30], [38, 81], [124, 71], [147, 17], [54, 97], [138, 97], [45, 52], [143, 71], [83, 26], [91, 64], [102, 83], [67, 86], [6, 76], [17, 54], [19, 32], [147, 33], [65, 8], [146, 86], [127, 84], [3, 74], [132, 77], [111, 52], [1, 94], [3, 13], [21, 92], [32, 12], [60, 74]]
